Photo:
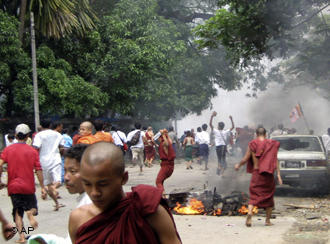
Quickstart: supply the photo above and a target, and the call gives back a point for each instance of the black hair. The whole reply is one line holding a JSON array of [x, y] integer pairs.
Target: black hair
[[76, 152], [204, 126], [261, 131], [137, 126], [188, 133], [98, 124], [221, 125], [199, 129], [114, 128], [170, 128], [55, 124], [21, 136], [11, 136], [45, 123], [66, 131], [144, 128]]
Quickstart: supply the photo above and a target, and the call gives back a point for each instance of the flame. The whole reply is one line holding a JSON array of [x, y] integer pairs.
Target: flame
[[194, 207], [244, 210], [217, 212]]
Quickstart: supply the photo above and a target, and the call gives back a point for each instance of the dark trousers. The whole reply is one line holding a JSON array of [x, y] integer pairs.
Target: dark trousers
[[204, 153], [221, 153]]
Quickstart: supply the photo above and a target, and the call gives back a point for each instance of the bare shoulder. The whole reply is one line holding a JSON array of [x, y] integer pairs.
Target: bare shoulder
[[163, 225], [79, 216]]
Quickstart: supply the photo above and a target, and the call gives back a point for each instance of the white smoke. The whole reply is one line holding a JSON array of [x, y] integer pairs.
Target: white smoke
[[269, 109]]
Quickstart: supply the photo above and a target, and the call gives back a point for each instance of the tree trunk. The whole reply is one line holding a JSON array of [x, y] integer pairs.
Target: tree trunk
[[22, 13]]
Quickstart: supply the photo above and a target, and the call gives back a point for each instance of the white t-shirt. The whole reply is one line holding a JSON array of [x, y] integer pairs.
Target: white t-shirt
[[119, 137], [140, 143], [326, 142], [204, 138], [8, 143], [48, 142], [198, 137], [221, 137]]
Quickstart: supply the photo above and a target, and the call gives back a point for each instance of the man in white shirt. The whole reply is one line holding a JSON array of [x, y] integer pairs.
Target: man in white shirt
[[221, 138], [74, 185], [138, 148], [49, 142], [326, 142], [204, 141], [119, 138], [10, 138]]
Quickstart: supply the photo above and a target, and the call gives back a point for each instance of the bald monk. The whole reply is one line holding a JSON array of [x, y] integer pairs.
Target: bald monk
[[140, 216], [261, 156], [100, 134], [167, 156], [86, 133]]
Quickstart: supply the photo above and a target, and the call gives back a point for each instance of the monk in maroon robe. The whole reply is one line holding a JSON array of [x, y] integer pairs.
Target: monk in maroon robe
[[167, 156], [140, 216], [261, 159]]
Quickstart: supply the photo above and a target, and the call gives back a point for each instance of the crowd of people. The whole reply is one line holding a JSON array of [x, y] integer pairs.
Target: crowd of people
[[55, 157], [90, 162]]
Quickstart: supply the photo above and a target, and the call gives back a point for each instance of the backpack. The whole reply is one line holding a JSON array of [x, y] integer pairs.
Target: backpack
[[135, 139]]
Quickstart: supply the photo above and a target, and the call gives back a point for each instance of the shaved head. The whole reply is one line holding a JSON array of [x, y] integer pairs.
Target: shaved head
[[87, 124], [104, 153]]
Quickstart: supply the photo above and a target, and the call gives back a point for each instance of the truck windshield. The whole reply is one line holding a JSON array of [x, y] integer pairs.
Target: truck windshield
[[299, 144]]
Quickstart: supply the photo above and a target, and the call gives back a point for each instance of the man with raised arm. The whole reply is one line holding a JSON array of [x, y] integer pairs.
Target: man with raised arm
[[140, 216], [261, 159], [221, 138]]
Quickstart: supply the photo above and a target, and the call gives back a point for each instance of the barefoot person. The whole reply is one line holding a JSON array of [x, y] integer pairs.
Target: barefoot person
[[140, 216], [74, 186], [6, 227], [261, 159], [167, 156], [22, 160], [49, 142]]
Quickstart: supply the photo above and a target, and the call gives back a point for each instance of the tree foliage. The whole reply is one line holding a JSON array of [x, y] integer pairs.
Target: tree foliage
[[295, 31], [146, 63], [60, 91], [251, 29]]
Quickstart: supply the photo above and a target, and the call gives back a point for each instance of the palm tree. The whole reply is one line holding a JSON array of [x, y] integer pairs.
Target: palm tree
[[53, 18]]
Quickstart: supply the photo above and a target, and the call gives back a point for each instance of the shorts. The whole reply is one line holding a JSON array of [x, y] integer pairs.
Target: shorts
[[138, 155], [22, 203], [52, 175]]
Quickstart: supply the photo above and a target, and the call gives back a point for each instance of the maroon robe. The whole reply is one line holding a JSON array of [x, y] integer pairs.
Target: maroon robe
[[262, 185], [126, 222], [167, 164], [149, 149]]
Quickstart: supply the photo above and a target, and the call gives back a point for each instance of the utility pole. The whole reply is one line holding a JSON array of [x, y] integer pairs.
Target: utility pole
[[34, 75]]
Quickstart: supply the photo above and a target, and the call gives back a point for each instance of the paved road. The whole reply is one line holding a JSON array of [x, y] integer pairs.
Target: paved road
[[193, 229]]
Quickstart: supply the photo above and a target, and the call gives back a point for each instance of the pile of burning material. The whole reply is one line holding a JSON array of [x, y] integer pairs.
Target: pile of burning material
[[209, 203]]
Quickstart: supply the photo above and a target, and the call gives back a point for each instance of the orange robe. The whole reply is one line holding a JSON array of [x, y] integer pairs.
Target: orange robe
[[104, 136], [90, 139]]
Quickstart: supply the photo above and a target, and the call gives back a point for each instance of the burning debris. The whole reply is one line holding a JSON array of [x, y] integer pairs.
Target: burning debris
[[209, 203]]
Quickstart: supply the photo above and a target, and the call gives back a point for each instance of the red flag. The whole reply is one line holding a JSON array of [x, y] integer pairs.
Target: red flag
[[296, 113]]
